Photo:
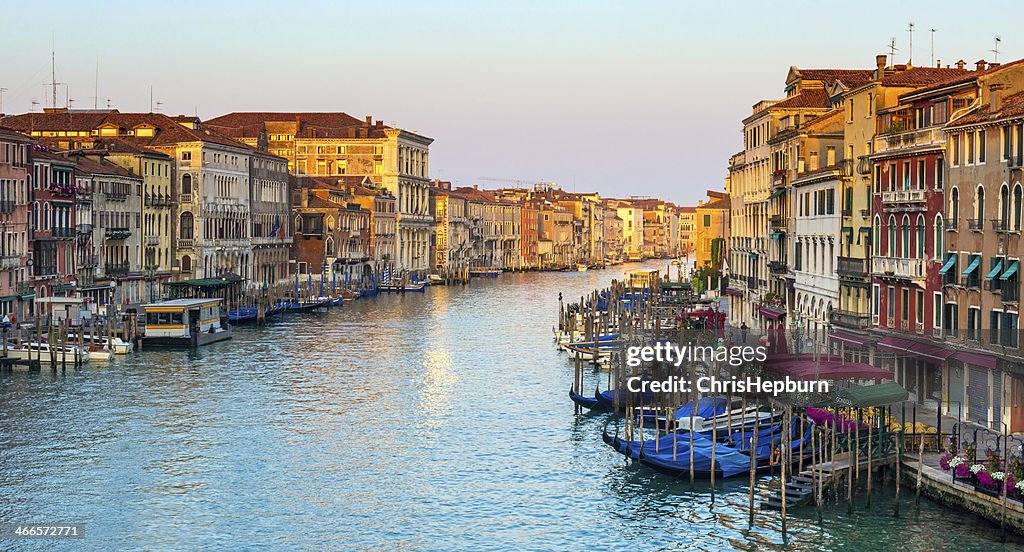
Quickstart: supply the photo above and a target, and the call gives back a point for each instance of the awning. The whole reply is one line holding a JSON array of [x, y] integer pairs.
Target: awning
[[777, 235], [807, 370], [732, 292], [1010, 270], [849, 339], [949, 264], [996, 269], [930, 353], [63, 287], [895, 343], [770, 313], [972, 267], [847, 229], [777, 193], [879, 394], [976, 359]]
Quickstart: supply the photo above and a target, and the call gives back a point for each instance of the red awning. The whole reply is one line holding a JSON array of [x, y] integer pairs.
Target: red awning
[[895, 343], [976, 359], [733, 292], [849, 339], [770, 314], [930, 353], [810, 370]]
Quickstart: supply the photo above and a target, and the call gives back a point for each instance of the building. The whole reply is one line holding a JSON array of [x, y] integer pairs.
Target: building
[[687, 232], [16, 170], [336, 144], [332, 234], [453, 249], [711, 230], [52, 229]]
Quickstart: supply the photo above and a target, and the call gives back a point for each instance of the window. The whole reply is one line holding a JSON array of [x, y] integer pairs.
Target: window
[[185, 228], [1009, 330], [891, 248], [186, 156], [707, 221], [979, 208], [920, 174], [876, 237], [830, 201], [954, 204], [340, 167], [981, 146], [940, 169], [937, 249], [919, 310], [994, 318], [970, 148], [906, 175], [874, 303], [973, 323], [955, 146], [1007, 141], [937, 310], [905, 307], [920, 237], [891, 307], [1004, 207], [1017, 191]]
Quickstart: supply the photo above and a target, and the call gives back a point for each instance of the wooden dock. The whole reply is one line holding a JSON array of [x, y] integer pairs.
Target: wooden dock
[[801, 488]]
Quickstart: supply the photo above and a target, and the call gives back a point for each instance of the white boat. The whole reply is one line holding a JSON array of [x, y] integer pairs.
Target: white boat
[[117, 345], [68, 354], [581, 267], [435, 279]]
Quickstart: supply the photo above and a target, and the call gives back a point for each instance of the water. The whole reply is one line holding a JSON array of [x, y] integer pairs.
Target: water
[[423, 422]]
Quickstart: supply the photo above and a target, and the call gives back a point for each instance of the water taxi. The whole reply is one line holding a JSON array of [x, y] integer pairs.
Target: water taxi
[[184, 323], [67, 354]]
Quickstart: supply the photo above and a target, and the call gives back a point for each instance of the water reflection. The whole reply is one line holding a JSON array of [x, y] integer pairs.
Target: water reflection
[[419, 422]]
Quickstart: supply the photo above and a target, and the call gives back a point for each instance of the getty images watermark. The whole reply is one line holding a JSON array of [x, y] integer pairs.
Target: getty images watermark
[[733, 356]]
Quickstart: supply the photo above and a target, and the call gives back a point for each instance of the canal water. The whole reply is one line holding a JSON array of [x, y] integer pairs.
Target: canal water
[[433, 421]]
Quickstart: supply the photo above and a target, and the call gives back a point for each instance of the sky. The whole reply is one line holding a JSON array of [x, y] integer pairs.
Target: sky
[[623, 98]]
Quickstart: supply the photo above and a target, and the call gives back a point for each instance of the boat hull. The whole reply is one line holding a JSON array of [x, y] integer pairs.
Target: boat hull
[[187, 342]]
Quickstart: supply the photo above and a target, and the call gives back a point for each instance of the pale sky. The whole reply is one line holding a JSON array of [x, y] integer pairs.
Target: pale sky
[[625, 98]]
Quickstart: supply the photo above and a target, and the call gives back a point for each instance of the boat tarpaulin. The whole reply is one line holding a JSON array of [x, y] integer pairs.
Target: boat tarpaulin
[[879, 394]]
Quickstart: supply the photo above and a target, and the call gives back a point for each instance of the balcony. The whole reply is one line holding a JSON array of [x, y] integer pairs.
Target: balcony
[[1000, 225], [186, 243], [864, 165], [865, 213], [117, 196], [113, 269], [62, 232], [850, 320], [903, 196], [10, 261], [185, 198], [152, 240], [776, 267], [921, 138], [751, 283], [88, 261], [6, 206], [846, 212], [118, 233], [976, 224], [22, 288], [777, 222], [897, 267], [950, 224], [852, 267], [84, 228]]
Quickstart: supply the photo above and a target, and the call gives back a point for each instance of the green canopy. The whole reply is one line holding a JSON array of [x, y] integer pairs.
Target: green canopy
[[1010, 270], [777, 193], [866, 396], [971, 267], [997, 267]]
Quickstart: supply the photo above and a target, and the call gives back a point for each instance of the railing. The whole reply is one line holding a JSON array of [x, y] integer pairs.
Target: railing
[[751, 282], [903, 196], [116, 268], [6, 206], [1015, 161], [117, 196], [777, 222], [976, 224], [776, 267], [911, 138], [1000, 225], [864, 165], [22, 287], [152, 240], [185, 198], [847, 212], [10, 261], [851, 320], [852, 266], [185, 242], [83, 228], [913, 269], [949, 224], [118, 233], [62, 232], [88, 261]]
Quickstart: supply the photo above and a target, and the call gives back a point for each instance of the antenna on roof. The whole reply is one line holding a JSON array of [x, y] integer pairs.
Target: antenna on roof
[[151, 98], [995, 49], [96, 82], [53, 67], [910, 29], [892, 51], [2, 90], [933, 45], [34, 105]]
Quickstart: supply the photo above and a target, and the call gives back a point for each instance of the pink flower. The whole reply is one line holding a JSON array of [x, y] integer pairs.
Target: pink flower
[[944, 461], [963, 470]]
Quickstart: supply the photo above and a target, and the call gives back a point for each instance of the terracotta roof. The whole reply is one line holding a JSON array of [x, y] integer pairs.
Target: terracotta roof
[[810, 98], [1010, 107], [687, 209], [306, 124], [720, 203], [317, 202], [923, 76], [344, 183], [965, 77], [849, 77], [56, 120], [95, 165]]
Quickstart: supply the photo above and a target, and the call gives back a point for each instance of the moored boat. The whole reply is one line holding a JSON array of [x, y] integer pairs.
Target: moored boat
[[417, 287], [32, 350], [184, 323]]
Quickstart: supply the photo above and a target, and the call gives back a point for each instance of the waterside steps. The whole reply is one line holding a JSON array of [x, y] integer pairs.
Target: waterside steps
[[800, 489]]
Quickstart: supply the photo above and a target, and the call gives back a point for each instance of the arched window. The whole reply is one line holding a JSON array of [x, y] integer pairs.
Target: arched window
[[979, 208], [891, 247], [906, 237], [330, 223], [186, 183], [186, 264], [1017, 192], [1004, 206], [186, 227], [920, 237], [330, 247], [937, 249], [876, 237], [298, 223], [954, 204]]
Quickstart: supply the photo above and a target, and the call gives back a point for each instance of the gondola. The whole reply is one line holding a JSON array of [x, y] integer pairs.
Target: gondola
[[590, 403], [242, 315]]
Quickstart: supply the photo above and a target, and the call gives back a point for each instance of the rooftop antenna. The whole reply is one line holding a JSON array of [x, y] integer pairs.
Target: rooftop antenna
[[53, 67], [892, 51], [2, 90], [933, 45], [35, 104], [96, 96], [995, 50], [910, 29]]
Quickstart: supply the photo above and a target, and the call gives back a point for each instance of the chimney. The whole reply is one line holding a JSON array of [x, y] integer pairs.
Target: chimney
[[995, 97], [979, 65], [369, 121], [938, 64], [960, 64], [476, 186], [380, 124], [993, 65], [351, 132], [880, 66]]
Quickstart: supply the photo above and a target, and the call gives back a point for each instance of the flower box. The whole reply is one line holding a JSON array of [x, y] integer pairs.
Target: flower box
[[987, 490]]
